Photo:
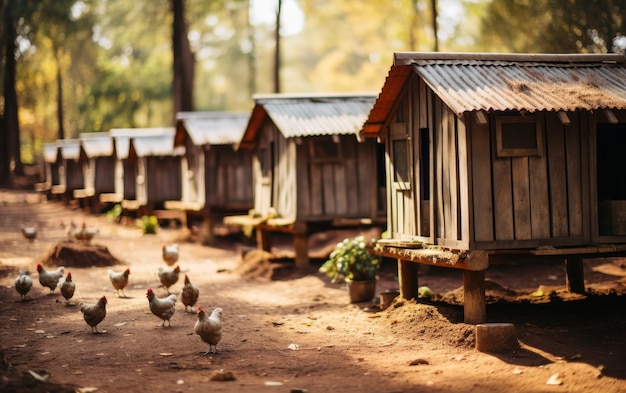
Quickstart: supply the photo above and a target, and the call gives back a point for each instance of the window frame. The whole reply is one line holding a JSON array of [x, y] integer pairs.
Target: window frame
[[521, 151]]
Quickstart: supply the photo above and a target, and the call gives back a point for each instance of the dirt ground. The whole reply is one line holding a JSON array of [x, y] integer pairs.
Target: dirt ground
[[289, 330]]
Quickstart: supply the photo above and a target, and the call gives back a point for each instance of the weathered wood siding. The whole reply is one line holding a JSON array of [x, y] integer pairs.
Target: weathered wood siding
[[193, 186], [340, 187], [74, 176], [163, 180], [531, 201], [104, 176], [228, 177], [128, 172]]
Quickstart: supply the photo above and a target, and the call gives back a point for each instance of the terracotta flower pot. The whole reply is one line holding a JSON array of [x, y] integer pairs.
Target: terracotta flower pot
[[361, 291]]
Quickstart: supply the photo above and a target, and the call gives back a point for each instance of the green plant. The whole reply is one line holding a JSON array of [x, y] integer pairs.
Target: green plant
[[149, 224], [114, 213], [351, 260]]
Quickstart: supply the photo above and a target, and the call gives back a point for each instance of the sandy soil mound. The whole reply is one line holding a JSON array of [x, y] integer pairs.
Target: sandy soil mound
[[76, 254]]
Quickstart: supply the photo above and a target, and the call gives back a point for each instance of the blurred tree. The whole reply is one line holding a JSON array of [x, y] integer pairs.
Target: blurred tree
[[558, 26], [183, 61]]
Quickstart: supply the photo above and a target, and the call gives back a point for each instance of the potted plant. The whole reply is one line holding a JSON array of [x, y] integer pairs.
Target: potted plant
[[351, 261]]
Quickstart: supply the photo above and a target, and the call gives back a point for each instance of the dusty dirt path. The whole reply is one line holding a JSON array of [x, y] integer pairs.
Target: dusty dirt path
[[294, 333]]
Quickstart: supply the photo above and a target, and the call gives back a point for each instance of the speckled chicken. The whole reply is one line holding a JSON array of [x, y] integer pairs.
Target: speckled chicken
[[189, 295], [94, 313], [163, 308], [168, 277], [209, 328], [50, 278], [23, 283], [170, 254], [119, 280], [67, 287]]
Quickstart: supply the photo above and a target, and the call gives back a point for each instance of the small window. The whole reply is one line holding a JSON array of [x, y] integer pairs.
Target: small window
[[518, 136], [322, 149]]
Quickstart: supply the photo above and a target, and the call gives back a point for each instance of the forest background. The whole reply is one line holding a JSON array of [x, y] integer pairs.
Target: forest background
[[71, 66]]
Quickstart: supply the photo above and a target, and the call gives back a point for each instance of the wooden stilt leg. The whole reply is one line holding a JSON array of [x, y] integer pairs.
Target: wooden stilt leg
[[575, 275], [474, 307], [301, 244], [407, 278]]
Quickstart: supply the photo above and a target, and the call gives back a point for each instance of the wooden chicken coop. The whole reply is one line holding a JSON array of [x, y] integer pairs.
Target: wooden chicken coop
[[51, 163], [499, 157], [98, 160], [148, 170], [71, 175], [219, 177], [311, 171]]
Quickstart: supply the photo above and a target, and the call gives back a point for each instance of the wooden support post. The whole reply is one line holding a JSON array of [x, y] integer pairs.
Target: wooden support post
[[301, 244], [575, 277], [407, 279], [207, 228], [264, 239], [474, 307]]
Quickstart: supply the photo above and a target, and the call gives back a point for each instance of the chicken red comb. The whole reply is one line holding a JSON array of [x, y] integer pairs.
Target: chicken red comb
[[69, 274], [199, 308]]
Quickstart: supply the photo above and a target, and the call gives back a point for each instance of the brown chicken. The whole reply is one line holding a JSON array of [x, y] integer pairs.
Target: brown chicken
[[170, 254], [163, 308], [119, 280], [190, 294], [23, 283], [168, 277], [67, 287], [51, 278], [209, 328], [94, 313]]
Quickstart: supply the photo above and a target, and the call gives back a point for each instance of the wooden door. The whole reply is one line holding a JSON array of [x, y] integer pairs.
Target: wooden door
[[402, 192]]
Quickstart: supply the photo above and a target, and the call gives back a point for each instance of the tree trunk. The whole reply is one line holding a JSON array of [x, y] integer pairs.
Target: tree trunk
[[277, 51], [10, 120], [183, 61], [433, 5], [60, 98]]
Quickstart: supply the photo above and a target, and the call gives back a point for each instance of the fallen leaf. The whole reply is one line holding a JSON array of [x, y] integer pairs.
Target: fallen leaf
[[554, 380], [86, 390], [166, 354], [19, 346], [294, 347], [273, 383], [517, 371], [39, 331], [40, 377], [120, 324], [221, 375]]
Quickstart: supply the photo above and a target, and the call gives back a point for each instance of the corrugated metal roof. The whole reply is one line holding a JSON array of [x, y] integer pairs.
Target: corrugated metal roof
[[309, 115], [96, 144], [212, 128], [122, 137], [50, 152], [499, 82], [69, 148]]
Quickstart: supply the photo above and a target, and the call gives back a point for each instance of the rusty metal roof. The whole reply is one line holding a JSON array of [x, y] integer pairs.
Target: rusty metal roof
[[96, 144], [151, 141], [210, 128], [468, 82], [309, 115]]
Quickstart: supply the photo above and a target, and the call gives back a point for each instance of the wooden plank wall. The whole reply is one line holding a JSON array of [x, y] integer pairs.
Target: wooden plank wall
[[345, 187], [74, 175], [129, 178], [228, 175], [104, 181], [164, 180], [530, 201]]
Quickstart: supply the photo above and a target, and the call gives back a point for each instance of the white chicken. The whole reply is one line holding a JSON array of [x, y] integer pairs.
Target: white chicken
[[170, 254], [23, 283], [119, 280], [163, 308], [209, 328], [189, 295], [51, 278]]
